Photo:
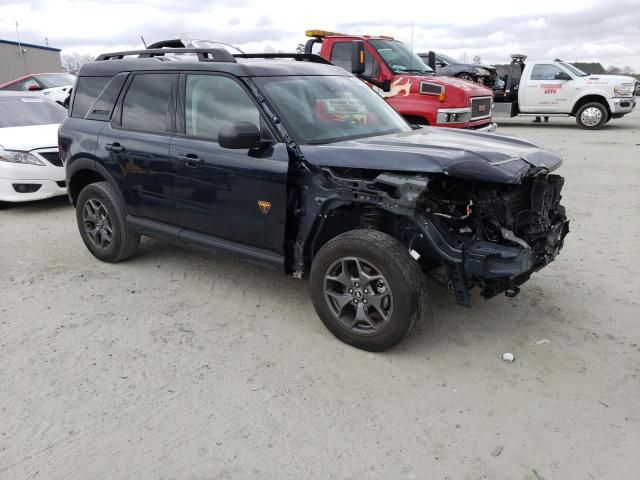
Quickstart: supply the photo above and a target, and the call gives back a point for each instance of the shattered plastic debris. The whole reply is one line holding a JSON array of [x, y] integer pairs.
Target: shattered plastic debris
[[541, 342], [508, 357]]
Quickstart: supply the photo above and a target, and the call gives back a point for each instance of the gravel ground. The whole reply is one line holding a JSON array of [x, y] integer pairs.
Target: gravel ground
[[181, 365]]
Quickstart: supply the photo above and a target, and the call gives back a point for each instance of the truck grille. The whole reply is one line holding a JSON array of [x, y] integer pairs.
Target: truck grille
[[480, 108], [52, 157]]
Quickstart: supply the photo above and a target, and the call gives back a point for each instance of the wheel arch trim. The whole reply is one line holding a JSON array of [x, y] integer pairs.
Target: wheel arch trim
[[82, 165]]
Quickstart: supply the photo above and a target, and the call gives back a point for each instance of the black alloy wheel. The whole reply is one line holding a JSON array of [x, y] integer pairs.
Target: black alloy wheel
[[359, 296], [97, 223]]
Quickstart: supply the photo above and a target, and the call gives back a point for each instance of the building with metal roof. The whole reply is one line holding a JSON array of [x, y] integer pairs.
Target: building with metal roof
[[19, 59]]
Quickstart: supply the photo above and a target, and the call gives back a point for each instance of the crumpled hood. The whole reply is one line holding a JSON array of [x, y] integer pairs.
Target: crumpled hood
[[459, 153], [29, 137]]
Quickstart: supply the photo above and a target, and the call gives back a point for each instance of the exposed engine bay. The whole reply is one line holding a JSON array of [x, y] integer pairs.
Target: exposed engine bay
[[479, 216], [506, 214]]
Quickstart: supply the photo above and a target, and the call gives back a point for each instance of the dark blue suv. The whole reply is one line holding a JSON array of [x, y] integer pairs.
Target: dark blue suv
[[297, 165]]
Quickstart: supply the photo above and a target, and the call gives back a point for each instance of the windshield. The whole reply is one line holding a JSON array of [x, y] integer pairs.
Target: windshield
[[325, 109], [399, 58], [17, 111], [51, 80], [575, 70]]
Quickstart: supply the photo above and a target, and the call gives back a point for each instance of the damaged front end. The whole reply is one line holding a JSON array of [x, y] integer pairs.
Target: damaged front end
[[478, 234], [493, 235]]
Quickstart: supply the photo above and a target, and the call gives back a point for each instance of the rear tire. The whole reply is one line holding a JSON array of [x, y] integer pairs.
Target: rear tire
[[101, 221], [466, 76], [592, 116], [367, 290]]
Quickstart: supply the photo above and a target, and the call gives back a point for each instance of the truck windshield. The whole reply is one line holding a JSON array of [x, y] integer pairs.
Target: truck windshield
[[326, 109], [18, 111], [575, 70], [399, 58]]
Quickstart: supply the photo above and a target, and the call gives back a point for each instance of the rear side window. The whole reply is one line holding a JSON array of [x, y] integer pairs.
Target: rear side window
[[87, 89], [146, 103], [104, 104]]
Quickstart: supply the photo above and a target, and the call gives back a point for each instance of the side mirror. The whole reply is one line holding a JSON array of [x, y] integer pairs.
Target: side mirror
[[357, 57], [34, 88], [240, 135], [432, 60], [562, 76]]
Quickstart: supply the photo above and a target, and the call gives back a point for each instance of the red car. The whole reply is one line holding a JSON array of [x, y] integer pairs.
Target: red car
[[407, 83], [55, 86]]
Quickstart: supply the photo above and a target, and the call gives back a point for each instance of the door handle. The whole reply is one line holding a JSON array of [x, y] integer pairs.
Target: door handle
[[191, 160], [114, 147]]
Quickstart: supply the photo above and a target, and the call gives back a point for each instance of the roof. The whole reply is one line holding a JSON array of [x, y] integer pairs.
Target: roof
[[244, 68], [29, 45]]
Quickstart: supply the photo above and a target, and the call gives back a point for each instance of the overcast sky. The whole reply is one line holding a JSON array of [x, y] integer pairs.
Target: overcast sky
[[607, 31]]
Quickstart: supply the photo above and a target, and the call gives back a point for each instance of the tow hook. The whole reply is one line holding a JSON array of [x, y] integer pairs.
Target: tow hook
[[512, 292]]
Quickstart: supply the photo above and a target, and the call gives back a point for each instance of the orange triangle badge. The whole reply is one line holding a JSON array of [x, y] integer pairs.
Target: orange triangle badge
[[264, 206]]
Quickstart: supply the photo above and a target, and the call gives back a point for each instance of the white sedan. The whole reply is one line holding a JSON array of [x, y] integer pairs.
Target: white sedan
[[30, 167]]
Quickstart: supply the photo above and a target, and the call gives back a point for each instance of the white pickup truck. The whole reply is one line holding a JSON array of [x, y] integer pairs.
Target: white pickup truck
[[556, 88]]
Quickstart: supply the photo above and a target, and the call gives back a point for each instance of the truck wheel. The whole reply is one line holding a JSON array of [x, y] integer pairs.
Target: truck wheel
[[592, 116], [367, 290], [101, 223]]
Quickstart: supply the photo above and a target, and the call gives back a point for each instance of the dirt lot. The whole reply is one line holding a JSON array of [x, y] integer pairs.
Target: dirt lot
[[181, 365]]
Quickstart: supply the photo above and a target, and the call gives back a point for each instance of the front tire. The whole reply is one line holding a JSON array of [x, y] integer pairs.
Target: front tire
[[366, 289], [101, 221], [592, 116]]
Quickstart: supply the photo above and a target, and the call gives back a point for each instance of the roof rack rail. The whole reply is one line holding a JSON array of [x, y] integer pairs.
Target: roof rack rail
[[301, 57], [204, 54]]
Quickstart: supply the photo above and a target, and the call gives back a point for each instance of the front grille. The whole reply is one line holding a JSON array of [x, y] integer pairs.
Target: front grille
[[51, 157], [480, 107]]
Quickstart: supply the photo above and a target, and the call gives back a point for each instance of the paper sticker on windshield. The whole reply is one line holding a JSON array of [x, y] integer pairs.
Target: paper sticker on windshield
[[345, 106], [343, 109]]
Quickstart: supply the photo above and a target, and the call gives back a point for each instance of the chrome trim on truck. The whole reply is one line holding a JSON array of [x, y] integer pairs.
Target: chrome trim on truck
[[481, 107]]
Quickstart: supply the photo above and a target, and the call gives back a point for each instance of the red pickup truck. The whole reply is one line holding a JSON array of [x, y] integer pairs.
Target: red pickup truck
[[407, 83]]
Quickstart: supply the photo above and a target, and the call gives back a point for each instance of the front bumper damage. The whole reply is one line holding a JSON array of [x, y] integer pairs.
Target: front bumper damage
[[496, 268]]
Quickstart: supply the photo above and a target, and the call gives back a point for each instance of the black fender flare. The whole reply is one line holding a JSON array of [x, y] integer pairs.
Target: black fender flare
[[82, 164]]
